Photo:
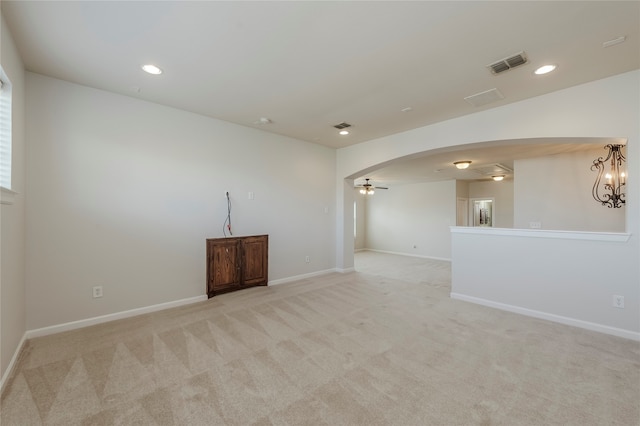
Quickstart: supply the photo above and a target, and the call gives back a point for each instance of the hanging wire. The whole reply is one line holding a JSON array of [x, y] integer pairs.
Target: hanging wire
[[227, 223]]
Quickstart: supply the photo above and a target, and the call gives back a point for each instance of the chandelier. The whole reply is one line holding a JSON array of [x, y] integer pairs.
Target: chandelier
[[610, 192]]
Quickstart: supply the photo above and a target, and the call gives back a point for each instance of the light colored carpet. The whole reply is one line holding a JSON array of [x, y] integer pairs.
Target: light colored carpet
[[382, 346]]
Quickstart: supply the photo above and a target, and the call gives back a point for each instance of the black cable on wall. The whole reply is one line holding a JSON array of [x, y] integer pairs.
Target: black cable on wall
[[227, 223]]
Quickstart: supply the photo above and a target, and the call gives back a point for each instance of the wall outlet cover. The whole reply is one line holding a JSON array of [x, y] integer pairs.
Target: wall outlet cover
[[618, 301]]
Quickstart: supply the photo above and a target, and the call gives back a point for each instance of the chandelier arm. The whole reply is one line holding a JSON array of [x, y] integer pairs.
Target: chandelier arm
[[613, 197], [598, 165]]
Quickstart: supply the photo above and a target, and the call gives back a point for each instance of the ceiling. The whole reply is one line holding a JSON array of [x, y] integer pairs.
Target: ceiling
[[308, 65]]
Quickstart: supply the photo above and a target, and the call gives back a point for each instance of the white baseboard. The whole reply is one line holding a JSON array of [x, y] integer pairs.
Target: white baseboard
[[14, 359], [39, 332], [302, 277], [619, 332], [408, 254]]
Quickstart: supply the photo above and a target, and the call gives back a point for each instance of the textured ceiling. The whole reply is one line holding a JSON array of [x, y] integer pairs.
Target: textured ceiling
[[309, 65]]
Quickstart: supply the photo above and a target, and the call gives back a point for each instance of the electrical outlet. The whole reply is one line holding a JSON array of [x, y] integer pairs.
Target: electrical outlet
[[250, 196], [306, 259], [97, 291], [618, 301]]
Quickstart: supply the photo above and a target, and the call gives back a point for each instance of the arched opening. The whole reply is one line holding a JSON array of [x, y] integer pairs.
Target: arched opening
[[546, 185]]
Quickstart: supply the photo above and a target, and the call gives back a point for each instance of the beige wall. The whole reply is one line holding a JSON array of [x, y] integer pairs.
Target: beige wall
[[502, 194], [413, 219], [12, 233], [555, 191], [123, 194], [361, 221]]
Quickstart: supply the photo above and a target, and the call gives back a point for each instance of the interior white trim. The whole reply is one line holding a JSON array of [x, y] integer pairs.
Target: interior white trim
[[409, 255], [14, 359], [627, 334], [45, 331], [303, 276], [539, 233]]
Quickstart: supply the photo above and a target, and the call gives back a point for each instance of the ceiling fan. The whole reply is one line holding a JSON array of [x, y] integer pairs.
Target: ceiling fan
[[368, 189]]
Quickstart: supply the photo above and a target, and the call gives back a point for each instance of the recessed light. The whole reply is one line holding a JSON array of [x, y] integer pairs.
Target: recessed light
[[262, 121], [462, 164], [545, 69], [497, 178], [152, 69], [344, 132]]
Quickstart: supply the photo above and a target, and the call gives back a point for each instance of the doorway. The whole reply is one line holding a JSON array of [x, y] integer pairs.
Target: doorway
[[481, 212]]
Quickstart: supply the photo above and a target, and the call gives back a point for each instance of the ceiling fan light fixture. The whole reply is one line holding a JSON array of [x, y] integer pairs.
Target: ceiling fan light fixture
[[368, 189], [462, 164]]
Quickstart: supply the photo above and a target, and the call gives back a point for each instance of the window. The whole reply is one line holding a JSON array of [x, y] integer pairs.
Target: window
[[5, 131]]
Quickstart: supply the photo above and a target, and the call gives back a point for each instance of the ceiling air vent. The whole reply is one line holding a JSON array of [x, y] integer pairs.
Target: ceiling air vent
[[483, 98], [342, 125], [507, 63], [493, 169]]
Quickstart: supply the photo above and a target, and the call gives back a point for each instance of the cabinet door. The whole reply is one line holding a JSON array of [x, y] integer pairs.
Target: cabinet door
[[255, 260], [224, 268]]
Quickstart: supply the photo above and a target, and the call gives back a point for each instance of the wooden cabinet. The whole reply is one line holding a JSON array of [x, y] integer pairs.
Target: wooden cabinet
[[235, 263]]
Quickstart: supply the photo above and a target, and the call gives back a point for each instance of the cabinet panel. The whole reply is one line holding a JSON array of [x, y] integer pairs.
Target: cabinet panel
[[226, 270], [255, 260]]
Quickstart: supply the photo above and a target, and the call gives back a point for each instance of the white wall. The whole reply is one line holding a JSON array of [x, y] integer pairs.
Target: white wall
[[462, 188], [412, 215], [123, 194], [12, 233], [556, 191], [559, 276], [361, 221], [502, 193]]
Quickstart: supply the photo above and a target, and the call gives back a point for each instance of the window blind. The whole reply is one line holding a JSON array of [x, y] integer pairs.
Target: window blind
[[5, 132]]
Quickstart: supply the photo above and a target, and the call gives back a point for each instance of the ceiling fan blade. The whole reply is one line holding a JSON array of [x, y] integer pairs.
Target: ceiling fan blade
[[381, 187]]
